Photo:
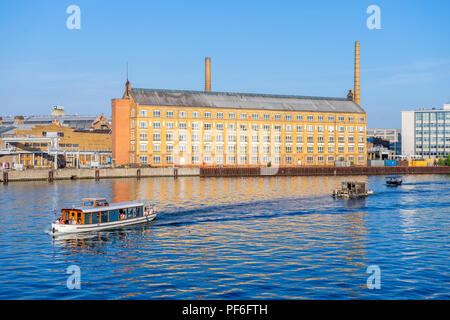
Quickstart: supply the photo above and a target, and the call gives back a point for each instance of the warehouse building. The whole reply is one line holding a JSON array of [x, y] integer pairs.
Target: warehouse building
[[205, 128]]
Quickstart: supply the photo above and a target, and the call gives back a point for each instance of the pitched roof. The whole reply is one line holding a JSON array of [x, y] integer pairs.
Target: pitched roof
[[231, 100]]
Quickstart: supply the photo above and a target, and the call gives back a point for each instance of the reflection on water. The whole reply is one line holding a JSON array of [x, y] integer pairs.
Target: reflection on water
[[231, 238]]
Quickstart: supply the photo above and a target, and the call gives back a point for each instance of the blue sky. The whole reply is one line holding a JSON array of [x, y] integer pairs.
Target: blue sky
[[282, 47]]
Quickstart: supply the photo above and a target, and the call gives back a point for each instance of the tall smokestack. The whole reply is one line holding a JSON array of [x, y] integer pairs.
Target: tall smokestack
[[357, 97], [208, 74]]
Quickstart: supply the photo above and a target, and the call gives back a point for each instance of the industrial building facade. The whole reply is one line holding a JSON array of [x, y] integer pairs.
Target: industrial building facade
[[205, 128], [168, 127], [426, 133]]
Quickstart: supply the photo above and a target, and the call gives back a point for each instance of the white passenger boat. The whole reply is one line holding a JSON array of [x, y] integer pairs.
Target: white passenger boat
[[97, 214]]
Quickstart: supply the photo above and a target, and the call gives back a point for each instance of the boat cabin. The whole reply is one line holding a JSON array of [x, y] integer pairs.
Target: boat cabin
[[353, 187], [94, 211]]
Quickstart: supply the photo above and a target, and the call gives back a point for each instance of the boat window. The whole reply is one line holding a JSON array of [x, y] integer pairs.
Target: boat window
[[88, 203], [87, 218], [95, 217], [129, 213], [139, 212], [102, 203], [113, 215], [104, 216]]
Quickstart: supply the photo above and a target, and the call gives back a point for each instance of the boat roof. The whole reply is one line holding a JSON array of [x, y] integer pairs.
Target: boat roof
[[111, 206], [353, 182]]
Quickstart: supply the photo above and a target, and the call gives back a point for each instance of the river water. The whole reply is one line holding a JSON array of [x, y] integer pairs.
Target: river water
[[233, 238]]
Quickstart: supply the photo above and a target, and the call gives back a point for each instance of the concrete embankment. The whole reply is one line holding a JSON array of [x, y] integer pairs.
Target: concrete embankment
[[97, 174], [65, 174]]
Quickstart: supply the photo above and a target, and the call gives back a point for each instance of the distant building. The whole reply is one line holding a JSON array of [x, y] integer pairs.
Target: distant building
[[378, 149], [426, 133], [70, 141], [394, 136]]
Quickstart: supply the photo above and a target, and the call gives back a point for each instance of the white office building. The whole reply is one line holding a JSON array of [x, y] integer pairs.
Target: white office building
[[426, 133]]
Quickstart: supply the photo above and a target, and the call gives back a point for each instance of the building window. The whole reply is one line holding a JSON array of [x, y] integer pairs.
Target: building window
[[169, 125], [254, 116], [156, 148], [156, 125], [169, 114], [182, 114], [156, 159], [299, 117], [195, 114], [156, 113], [243, 116], [266, 116], [182, 125], [143, 159], [219, 115], [231, 115], [143, 125], [156, 137], [277, 117], [144, 114]]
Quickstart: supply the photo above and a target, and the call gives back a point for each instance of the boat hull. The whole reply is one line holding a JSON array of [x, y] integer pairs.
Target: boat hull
[[76, 228]]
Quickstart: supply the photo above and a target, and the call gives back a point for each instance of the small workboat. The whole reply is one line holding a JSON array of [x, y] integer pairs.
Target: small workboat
[[352, 190], [394, 181], [97, 214]]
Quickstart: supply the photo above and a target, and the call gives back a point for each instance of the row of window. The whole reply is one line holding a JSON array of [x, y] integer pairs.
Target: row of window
[[254, 138], [245, 116], [255, 127], [254, 149], [432, 116], [243, 159]]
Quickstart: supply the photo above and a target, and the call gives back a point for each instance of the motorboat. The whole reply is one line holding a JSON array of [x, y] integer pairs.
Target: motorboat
[[394, 181]]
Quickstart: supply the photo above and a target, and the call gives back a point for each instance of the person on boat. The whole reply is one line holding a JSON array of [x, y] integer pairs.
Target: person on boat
[[79, 221]]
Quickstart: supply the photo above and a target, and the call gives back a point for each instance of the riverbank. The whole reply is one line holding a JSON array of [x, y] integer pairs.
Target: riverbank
[[109, 173]]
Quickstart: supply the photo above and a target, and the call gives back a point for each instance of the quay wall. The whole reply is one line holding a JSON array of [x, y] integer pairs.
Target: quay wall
[[65, 174]]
